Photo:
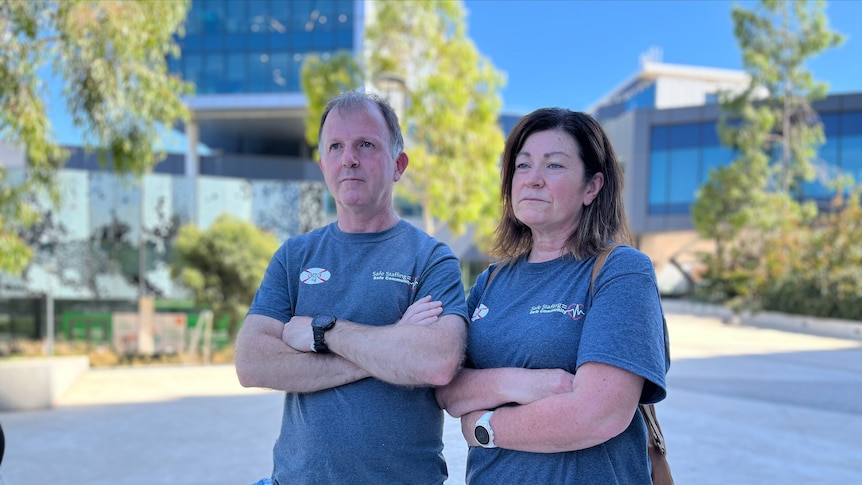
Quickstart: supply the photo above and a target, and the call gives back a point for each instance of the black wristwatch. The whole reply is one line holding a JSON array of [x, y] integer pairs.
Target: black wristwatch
[[319, 325]]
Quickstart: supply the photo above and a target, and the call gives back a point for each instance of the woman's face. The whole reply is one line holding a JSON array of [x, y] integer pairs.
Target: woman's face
[[548, 187]]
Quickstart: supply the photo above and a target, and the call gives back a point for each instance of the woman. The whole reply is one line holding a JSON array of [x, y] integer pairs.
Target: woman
[[553, 379]]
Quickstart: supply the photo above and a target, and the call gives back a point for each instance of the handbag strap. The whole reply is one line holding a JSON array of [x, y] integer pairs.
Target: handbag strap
[[493, 274], [597, 266], [647, 410]]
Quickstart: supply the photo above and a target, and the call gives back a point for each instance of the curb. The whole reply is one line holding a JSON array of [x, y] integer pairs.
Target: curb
[[823, 327]]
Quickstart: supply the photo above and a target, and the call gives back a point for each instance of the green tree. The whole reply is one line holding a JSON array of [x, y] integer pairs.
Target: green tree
[[825, 276], [110, 57], [750, 208], [776, 40], [323, 79], [222, 265], [451, 113]]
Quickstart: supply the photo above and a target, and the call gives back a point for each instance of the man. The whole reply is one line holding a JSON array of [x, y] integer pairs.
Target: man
[[376, 318]]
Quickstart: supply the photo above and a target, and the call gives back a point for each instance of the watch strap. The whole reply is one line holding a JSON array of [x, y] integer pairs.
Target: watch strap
[[484, 432], [319, 325], [319, 344]]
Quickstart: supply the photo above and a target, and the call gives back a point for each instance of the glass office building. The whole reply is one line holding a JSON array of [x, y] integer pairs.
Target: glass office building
[[243, 153], [682, 154], [258, 46], [244, 58], [664, 124]]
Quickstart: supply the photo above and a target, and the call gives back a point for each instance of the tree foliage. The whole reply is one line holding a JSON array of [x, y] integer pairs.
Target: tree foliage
[[449, 112], [776, 40], [752, 208], [110, 57], [222, 265], [452, 110], [825, 276]]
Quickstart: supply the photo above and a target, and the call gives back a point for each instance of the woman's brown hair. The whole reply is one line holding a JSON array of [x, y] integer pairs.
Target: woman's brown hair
[[603, 221]]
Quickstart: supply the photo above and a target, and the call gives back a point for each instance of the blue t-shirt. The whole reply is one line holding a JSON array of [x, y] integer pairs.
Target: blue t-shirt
[[367, 431], [538, 316]]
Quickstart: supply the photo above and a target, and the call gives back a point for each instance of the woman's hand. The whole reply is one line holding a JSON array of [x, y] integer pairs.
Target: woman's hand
[[468, 425]]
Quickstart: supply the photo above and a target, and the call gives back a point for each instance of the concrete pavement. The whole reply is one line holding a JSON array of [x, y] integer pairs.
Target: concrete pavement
[[756, 406], [746, 406]]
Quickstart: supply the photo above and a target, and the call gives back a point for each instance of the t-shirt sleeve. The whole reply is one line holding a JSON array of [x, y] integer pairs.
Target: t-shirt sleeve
[[625, 325], [441, 279], [272, 298]]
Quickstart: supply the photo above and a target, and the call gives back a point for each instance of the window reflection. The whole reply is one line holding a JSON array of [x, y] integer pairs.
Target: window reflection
[[261, 32], [682, 156], [92, 242]]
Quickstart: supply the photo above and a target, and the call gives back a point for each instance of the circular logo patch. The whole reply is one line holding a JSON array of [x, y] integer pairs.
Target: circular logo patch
[[314, 276], [480, 312]]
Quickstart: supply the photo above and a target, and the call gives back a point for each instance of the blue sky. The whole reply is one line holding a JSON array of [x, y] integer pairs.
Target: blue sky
[[570, 53]]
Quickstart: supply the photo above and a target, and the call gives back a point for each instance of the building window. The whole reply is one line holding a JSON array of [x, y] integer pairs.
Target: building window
[[682, 157], [850, 143], [266, 34]]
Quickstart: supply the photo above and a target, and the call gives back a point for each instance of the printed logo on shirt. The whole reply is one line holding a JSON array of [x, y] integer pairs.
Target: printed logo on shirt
[[314, 276], [575, 311], [479, 312], [411, 281]]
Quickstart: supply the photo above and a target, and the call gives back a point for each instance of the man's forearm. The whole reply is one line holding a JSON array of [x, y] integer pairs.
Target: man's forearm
[[481, 389], [409, 355], [472, 390], [264, 360]]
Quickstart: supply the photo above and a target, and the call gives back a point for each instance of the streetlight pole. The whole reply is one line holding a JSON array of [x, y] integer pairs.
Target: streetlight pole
[[146, 308], [49, 317], [393, 88], [142, 254]]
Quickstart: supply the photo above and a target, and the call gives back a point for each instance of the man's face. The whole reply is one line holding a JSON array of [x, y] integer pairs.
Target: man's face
[[355, 159]]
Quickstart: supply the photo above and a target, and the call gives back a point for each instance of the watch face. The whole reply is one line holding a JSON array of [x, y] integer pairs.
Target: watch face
[[482, 435], [323, 321]]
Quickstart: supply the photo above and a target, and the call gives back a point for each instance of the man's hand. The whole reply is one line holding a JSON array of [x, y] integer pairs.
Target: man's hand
[[423, 348], [297, 333], [539, 383], [422, 312], [479, 389]]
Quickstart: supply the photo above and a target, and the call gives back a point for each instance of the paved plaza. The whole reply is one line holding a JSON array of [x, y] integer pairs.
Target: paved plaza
[[746, 406]]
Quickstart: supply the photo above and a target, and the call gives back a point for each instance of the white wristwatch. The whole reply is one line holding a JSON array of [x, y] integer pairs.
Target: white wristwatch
[[483, 432]]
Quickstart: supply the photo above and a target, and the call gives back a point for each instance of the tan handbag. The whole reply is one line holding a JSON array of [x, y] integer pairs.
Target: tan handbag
[[655, 442], [655, 447]]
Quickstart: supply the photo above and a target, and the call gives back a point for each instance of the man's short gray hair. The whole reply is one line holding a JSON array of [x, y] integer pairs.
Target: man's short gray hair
[[352, 101]]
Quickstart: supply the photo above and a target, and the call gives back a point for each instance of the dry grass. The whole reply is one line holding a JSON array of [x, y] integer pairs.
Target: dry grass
[[105, 356]]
